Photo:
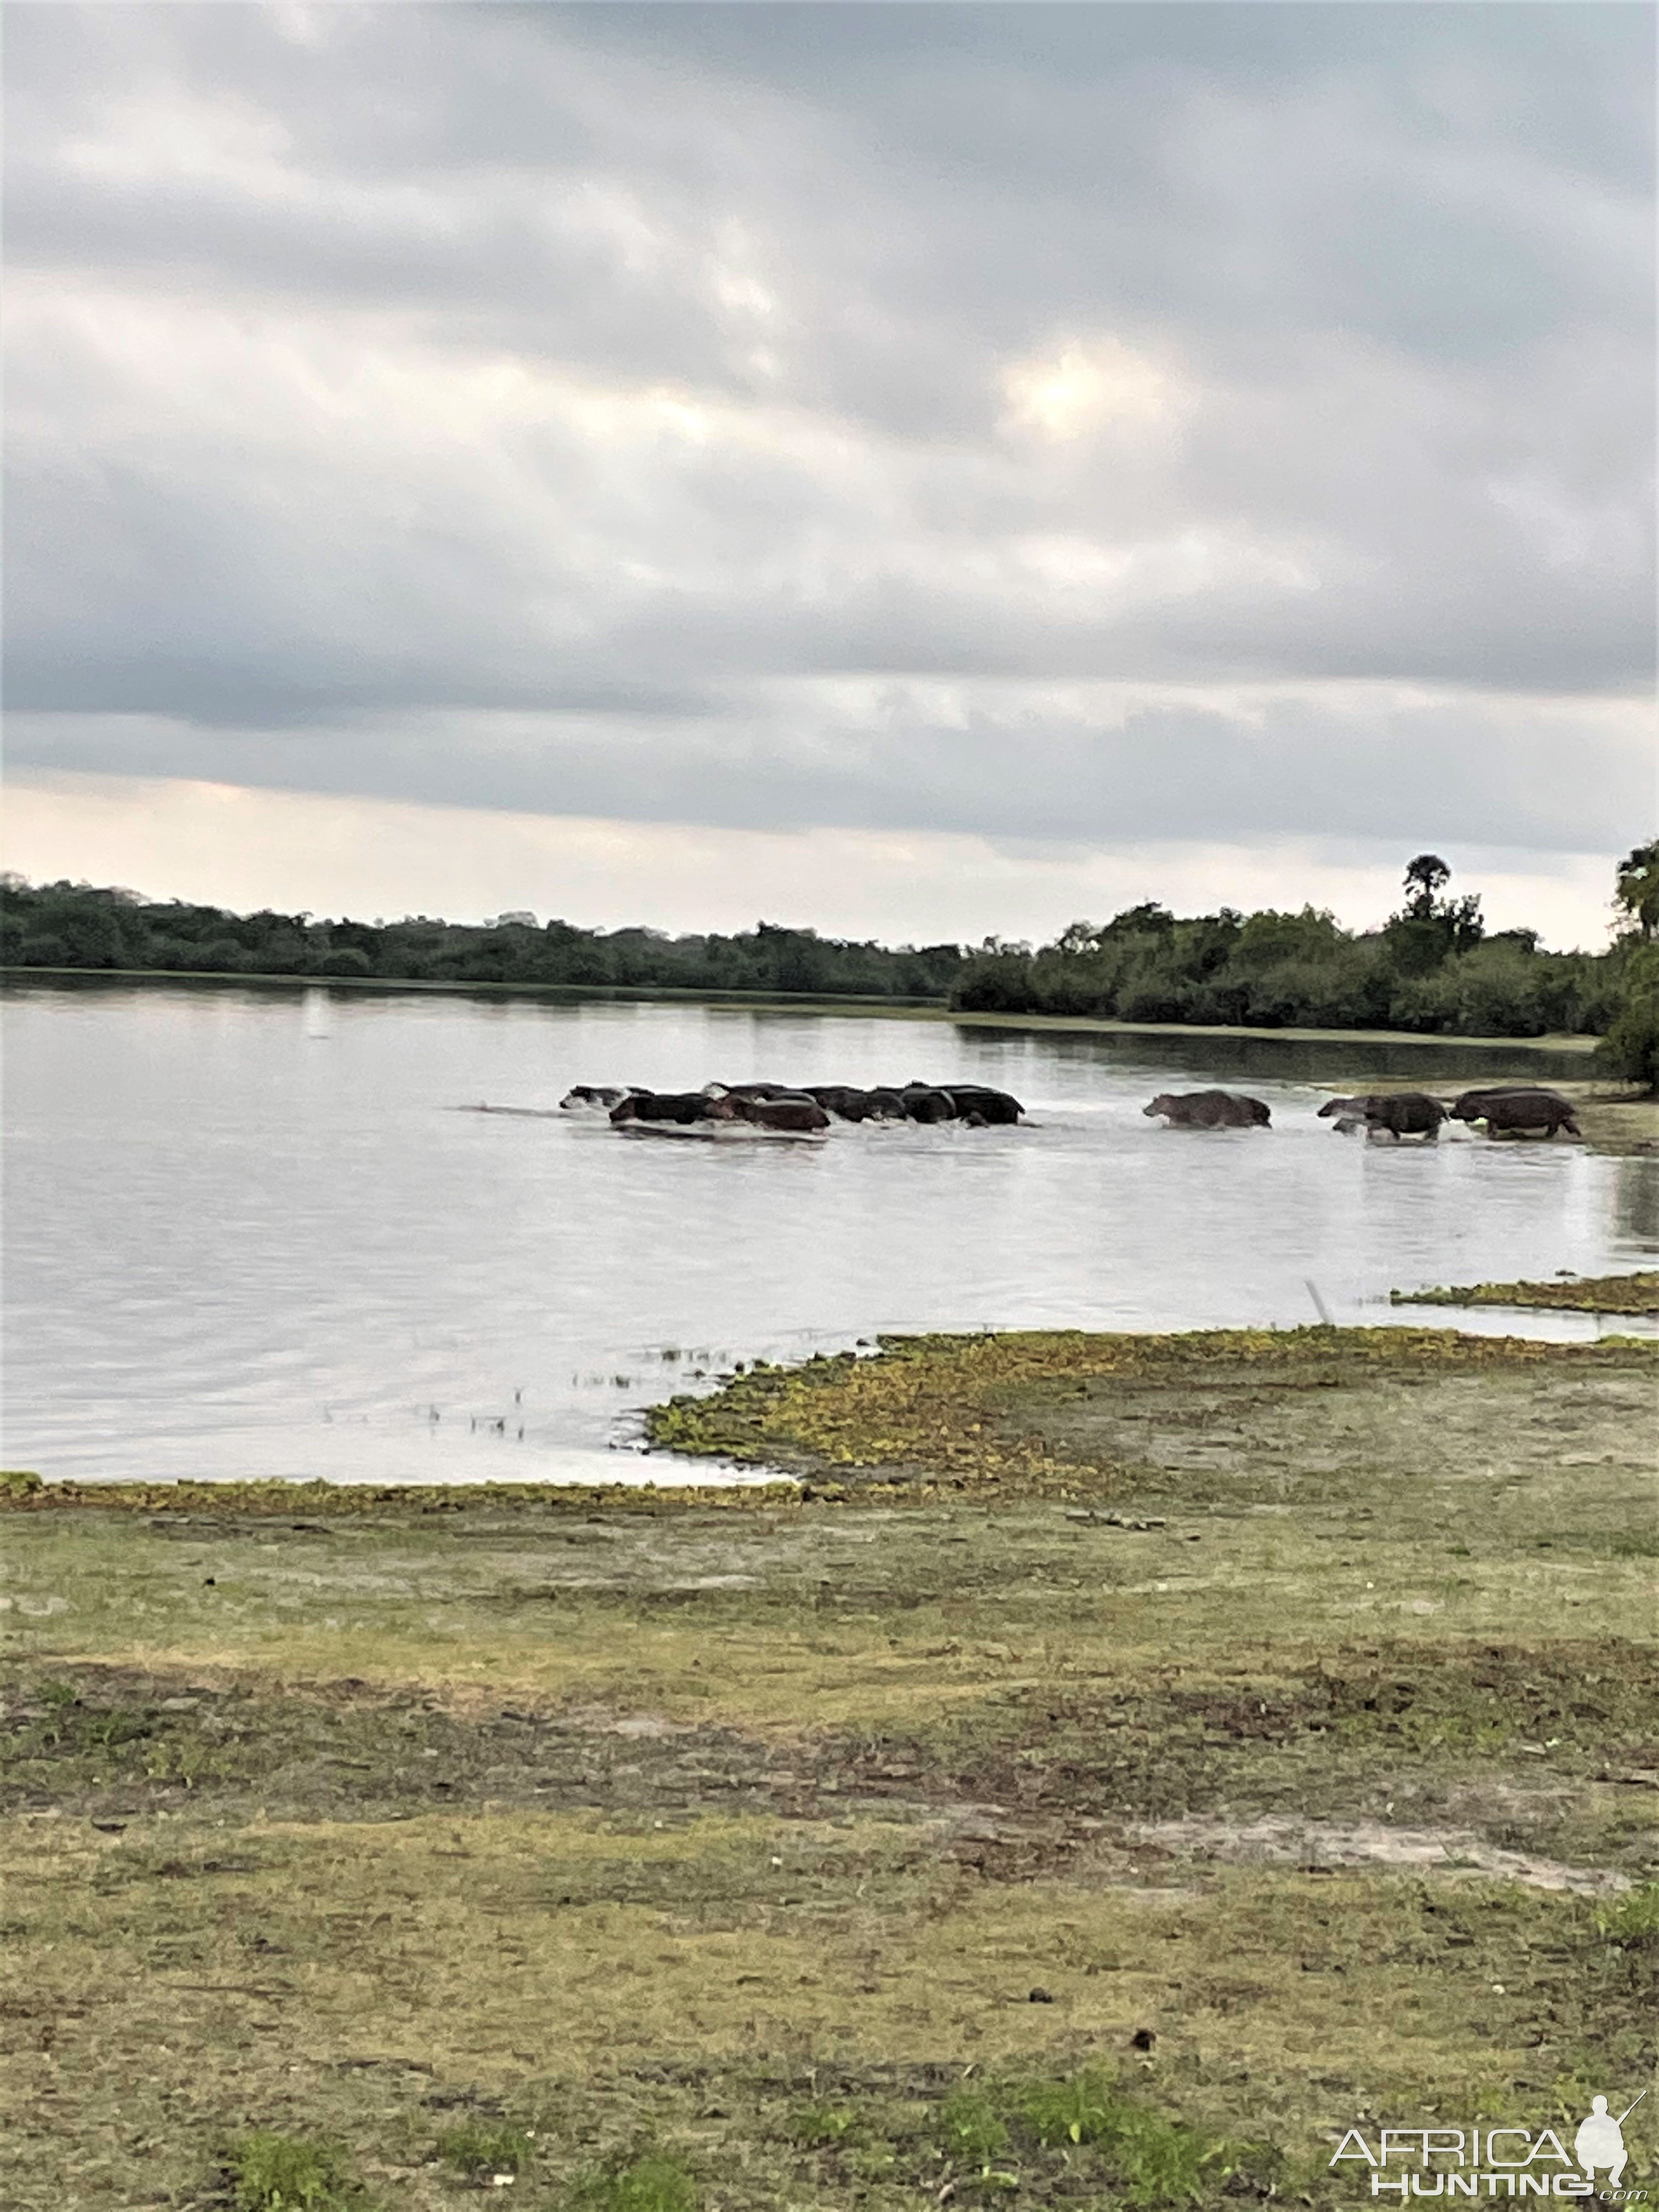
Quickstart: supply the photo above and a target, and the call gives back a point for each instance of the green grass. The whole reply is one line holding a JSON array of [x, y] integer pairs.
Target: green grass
[[284, 2173], [652, 2184], [816, 2126], [971, 2131], [480, 2149], [1633, 1921], [1151, 2159], [726, 1849]]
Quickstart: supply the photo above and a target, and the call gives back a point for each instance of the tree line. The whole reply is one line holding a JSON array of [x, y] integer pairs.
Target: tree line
[[1433, 968], [65, 925]]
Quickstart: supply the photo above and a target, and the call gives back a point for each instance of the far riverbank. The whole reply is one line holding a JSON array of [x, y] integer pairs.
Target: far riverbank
[[1578, 1047]]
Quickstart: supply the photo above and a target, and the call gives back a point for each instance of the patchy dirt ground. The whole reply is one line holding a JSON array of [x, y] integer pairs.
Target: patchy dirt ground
[[1219, 1739]]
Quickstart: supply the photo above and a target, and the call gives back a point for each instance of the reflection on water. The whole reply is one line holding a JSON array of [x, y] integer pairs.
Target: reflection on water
[[248, 1233], [1636, 1207], [1316, 1059]]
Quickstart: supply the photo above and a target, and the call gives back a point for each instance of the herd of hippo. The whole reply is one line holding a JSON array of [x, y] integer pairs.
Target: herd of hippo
[[1512, 1109], [795, 1112]]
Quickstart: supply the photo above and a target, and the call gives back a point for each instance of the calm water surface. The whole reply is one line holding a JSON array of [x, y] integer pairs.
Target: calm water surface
[[252, 1232]]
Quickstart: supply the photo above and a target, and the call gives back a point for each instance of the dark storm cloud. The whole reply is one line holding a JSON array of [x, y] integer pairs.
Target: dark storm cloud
[[382, 376]]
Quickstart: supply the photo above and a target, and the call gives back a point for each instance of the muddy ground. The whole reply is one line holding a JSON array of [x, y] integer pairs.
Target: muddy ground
[[1124, 1765]]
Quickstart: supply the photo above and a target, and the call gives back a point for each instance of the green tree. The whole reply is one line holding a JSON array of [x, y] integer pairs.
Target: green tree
[[1636, 889], [1430, 927], [1631, 1047], [1426, 877]]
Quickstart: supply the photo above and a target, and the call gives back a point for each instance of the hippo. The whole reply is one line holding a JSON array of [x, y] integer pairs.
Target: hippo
[[981, 1106], [844, 1101], [1398, 1114], [681, 1106], [884, 1105], [1210, 1109], [1513, 1112], [795, 1115], [593, 1097], [924, 1104], [1349, 1115]]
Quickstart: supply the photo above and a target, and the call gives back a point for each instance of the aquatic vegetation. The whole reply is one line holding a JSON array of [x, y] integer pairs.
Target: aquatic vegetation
[[1637, 1293]]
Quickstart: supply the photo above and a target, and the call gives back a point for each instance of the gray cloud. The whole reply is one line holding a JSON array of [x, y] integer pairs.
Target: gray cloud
[[1084, 764], [580, 409]]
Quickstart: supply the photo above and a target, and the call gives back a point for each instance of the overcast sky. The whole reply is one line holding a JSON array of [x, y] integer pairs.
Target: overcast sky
[[617, 457]]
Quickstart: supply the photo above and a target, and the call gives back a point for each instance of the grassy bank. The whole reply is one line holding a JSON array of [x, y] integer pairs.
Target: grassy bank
[[1124, 1763], [1598, 1294]]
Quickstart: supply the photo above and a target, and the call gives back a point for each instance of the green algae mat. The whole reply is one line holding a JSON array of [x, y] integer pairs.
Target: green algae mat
[[1109, 1771]]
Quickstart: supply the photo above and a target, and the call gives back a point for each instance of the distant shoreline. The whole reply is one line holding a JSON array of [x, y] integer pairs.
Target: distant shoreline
[[804, 1002]]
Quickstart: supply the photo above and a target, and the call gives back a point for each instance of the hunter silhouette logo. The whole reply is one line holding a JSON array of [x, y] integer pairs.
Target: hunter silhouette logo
[[1600, 2141], [1501, 2161]]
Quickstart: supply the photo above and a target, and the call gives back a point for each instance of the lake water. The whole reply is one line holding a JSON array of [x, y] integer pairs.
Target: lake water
[[251, 1231]]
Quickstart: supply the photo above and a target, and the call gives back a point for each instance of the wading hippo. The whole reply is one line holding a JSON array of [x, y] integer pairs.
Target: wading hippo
[[593, 1097], [1349, 1114], [885, 1105], [749, 1090], [1397, 1114], [848, 1103], [796, 1114], [1516, 1111], [976, 1101], [923, 1104], [1210, 1109], [682, 1106]]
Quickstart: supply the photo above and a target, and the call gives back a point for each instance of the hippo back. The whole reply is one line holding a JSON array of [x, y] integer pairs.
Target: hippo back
[[798, 1115], [922, 1103], [681, 1106], [1528, 1109], [998, 1107], [1211, 1110], [841, 1099], [1475, 1105]]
